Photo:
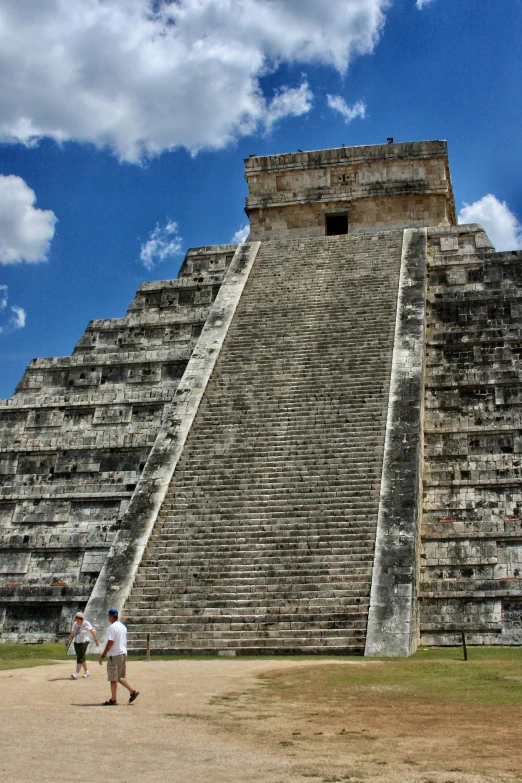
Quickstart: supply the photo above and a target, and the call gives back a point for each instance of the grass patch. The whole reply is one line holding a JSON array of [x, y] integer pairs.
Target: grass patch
[[17, 656], [490, 676]]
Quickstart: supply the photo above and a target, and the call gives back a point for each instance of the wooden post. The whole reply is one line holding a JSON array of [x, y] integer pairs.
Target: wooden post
[[464, 648], [147, 655]]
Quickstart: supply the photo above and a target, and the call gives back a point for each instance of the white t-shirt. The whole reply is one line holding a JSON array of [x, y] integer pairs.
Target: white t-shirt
[[118, 634], [81, 631]]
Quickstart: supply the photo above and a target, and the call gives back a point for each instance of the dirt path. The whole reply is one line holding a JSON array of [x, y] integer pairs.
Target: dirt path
[[212, 721]]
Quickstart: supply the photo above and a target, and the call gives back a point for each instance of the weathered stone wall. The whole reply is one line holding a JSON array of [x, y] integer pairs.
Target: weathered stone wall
[[393, 616], [472, 528], [381, 213], [383, 186], [74, 440]]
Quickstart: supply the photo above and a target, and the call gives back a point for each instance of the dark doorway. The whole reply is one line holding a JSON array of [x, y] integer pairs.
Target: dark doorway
[[336, 224]]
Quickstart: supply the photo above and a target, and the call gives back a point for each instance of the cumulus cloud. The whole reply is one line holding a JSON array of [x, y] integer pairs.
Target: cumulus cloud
[[25, 231], [18, 317], [288, 103], [349, 113], [241, 234], [11, 318], [144, 76], [164, 242], [500, 224], [422, 3]]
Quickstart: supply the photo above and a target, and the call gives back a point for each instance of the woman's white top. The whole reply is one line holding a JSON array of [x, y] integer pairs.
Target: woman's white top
[[81, 632]]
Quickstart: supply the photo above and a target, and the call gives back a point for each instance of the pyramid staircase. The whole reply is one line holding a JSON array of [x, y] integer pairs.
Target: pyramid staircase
[[265, 540]]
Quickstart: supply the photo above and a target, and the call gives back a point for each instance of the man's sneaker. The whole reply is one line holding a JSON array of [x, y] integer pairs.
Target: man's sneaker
[[74, 676], [87, 674]]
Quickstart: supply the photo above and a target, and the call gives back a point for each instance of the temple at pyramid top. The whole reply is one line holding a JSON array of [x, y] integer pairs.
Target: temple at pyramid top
[[349, 189]]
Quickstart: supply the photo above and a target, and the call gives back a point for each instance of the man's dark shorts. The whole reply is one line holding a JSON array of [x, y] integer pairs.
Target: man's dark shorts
[[80, 650]]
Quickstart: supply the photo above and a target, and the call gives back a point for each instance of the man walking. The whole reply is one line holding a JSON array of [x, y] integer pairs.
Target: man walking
[[116, 665]]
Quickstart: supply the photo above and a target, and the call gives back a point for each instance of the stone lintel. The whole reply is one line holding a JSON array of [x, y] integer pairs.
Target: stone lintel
[[393, 615]]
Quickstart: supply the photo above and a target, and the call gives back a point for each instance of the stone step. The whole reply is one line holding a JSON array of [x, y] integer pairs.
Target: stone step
[[227, 525], [334, 549], [149, 623], [195, 596], [189, 513], [245, 575], [348, 498], [244, 635], [302, 606], [298, 646], [298, 577], [305, 477], [267, 553], [306, 551]]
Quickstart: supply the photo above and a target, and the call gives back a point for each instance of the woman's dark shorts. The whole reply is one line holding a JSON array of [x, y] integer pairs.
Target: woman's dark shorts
[[80, 650]]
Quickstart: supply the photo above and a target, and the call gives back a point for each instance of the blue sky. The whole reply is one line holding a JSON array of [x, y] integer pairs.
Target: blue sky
[[124, 124]]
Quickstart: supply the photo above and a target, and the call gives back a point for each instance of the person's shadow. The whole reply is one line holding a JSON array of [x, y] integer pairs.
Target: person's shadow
[[57, 679], [97, 704]]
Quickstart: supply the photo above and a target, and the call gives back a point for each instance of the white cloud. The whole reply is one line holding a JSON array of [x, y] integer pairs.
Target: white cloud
[[16, 318], [143, 76], [421, 3], [25, 231], [500, 224], [241, 234], [163, 242], [288, 103], [349, 113]]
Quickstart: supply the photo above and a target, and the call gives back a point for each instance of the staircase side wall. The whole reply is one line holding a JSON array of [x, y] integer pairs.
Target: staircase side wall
[[392, 620], [117, 576]]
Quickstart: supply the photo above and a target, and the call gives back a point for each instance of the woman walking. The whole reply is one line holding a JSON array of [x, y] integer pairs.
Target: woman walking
[[80, 632]]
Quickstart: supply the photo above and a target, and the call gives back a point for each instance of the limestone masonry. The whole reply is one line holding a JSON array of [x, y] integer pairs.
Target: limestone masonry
[[307, 442]]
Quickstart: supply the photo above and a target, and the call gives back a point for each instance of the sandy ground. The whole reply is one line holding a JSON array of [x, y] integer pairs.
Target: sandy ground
[[213, 721]]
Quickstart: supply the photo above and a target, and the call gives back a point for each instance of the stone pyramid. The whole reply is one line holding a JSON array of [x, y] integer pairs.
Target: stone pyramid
[[308, 442]]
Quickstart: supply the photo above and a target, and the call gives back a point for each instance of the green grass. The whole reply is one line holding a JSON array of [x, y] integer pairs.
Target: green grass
[[16, 656], [491, 675], [474, 653]]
